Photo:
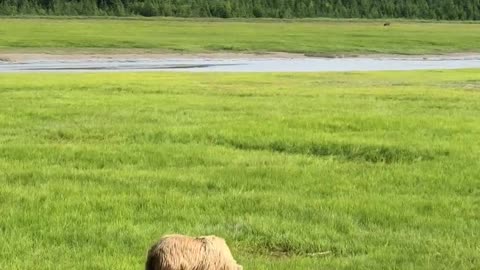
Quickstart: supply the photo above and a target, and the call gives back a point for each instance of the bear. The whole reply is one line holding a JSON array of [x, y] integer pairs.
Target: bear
[[180, 252]]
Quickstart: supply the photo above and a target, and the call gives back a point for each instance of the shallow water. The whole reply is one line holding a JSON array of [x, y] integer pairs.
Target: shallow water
[[243, 65]]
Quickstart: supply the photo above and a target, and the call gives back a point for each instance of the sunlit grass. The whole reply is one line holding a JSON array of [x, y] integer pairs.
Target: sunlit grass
[[322, 37], [378, 170]]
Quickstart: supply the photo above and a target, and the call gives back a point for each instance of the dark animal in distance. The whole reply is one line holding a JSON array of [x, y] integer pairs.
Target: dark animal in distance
[[386, 24]]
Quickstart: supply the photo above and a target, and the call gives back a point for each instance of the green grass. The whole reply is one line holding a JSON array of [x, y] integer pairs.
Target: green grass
[[312, 37], [379, 169]]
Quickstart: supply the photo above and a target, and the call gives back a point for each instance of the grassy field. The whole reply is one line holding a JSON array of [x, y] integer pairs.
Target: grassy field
[[378, 170], [321, 37]]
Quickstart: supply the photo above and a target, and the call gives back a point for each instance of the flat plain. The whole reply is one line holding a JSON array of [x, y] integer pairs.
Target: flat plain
[[311, 37], [297, 171]]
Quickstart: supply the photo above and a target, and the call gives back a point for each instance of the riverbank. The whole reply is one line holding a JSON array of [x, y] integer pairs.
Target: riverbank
[[134, 55]]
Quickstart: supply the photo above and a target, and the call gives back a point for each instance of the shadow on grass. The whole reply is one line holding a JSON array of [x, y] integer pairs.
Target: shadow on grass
[[347, 151]]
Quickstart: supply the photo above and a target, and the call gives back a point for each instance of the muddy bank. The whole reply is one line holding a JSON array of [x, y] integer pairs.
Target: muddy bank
[[22, 57]]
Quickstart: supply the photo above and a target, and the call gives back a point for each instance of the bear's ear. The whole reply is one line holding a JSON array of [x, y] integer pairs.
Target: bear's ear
[[211, 237]]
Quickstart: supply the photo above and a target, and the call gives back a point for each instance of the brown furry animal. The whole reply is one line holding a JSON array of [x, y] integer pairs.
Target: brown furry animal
[[179, 252]]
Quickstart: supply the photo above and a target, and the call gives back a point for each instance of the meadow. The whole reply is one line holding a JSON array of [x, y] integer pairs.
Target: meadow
[[297, 171], [311, 37]]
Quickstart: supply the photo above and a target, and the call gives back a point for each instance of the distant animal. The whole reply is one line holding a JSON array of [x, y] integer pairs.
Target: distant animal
[[180, 252], [386, 24]]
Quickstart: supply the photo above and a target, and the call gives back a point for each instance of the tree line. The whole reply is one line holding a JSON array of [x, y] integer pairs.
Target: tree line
[[418, 9]]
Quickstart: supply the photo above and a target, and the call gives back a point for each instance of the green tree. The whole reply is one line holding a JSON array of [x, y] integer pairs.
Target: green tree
[[428, 9]]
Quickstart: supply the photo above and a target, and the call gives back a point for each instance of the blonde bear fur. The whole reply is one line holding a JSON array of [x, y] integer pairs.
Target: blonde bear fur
[[179, 252]]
